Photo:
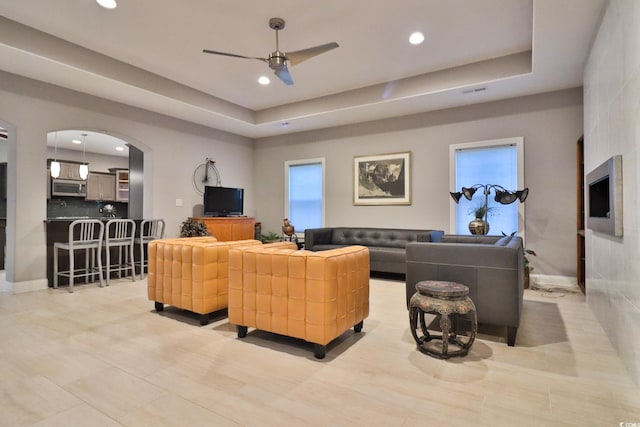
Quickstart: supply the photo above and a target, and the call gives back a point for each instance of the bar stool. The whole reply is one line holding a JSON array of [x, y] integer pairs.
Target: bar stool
[[119, 234], [87, 235], [150, 229]]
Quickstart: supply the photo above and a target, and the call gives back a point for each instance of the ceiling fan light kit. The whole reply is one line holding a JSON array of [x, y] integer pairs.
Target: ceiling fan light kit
[[278, 60]]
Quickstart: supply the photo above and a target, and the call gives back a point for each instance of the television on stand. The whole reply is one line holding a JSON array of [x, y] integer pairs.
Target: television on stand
[[223, 201]]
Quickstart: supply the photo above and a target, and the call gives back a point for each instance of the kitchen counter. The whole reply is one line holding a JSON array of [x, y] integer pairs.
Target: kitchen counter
[[73, 218]]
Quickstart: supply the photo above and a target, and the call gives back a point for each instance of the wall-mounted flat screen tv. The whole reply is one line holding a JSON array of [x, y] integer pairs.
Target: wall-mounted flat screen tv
[[223, 201], [604, 197]]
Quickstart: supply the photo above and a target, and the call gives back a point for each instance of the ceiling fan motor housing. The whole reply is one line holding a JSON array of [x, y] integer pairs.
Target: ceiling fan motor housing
[[277, 60]]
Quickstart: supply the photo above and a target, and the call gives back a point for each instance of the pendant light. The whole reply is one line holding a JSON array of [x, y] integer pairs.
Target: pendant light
[[55, 164], [84, 168]]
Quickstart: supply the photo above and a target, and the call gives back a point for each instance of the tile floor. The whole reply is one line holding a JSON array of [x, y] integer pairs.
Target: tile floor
[[103, 357]]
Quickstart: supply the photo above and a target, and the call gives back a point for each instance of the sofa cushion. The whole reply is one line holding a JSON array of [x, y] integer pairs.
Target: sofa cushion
[[387, 245], [388, 260], [392, 238], [503, 241]]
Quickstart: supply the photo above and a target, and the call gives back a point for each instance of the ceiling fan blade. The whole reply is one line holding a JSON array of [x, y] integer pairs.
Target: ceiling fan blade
[[283, 74], [304, 54], [215, 52]]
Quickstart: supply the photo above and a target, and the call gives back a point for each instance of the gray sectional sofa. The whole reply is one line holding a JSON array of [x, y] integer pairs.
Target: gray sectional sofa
[[491, 266], [386, 245]]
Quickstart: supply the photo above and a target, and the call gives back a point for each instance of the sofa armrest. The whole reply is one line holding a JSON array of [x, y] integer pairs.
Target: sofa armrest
[[494, 275], [317, 236], [465, 238]]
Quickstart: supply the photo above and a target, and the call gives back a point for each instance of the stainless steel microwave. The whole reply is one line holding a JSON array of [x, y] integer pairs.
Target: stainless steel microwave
[[68, 187]]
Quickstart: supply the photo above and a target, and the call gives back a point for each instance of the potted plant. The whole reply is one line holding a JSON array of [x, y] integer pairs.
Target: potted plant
[[270, 237], [479, 225], [527, 266], [480, 210], [193, 228]]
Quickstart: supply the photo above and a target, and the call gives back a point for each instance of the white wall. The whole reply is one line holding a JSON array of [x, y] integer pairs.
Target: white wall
[[550, 124], [612, 126], [172, 148]]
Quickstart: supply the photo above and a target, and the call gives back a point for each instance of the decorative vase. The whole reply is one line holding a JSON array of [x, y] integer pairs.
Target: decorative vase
[[479, 226]]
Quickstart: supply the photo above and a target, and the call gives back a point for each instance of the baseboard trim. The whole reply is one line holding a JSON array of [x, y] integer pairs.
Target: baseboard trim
[[26, 286], [551, 283]]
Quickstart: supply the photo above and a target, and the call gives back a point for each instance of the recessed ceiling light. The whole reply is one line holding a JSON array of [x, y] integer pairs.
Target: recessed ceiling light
[[107, 4], [119, 148], [76, 141], [416, 38], [264, 80]]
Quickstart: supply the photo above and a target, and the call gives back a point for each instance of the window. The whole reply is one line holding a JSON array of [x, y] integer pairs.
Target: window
[[304, 190], [496, 162]]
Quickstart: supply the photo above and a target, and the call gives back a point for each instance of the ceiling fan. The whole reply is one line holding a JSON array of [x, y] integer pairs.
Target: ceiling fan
[[278, 60]]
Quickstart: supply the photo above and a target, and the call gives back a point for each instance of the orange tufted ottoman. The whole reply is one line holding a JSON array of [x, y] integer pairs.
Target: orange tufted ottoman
[[191, 273], [314, 296]]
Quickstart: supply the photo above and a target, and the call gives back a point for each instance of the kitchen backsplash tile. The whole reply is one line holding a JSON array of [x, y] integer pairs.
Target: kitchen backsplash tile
[[77, 207]]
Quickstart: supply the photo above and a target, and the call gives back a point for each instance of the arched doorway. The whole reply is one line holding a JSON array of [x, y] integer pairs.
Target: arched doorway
[[88, 177], [108, 159]]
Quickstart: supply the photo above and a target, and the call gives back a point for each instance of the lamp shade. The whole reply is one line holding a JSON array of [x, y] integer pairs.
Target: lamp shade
[[84, 171], [505, 197], [468, 192], [55, 169], [522, 195], [456, 196]]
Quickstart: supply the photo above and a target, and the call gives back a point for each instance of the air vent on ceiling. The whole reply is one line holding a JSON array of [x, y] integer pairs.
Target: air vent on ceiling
[[474, 90]]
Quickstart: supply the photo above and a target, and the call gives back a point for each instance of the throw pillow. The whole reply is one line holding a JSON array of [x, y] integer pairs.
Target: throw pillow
[[503, 241]]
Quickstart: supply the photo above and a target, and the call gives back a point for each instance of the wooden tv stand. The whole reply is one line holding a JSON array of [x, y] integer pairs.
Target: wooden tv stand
[[228, 228]]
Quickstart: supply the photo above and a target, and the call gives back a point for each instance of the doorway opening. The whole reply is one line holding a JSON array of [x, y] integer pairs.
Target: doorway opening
[[104, 190]]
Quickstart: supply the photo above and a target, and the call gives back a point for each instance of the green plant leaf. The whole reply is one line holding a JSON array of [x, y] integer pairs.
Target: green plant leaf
[[193, 228]]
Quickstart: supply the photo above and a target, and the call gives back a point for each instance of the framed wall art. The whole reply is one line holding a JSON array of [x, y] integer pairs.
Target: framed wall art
[[382, 179]]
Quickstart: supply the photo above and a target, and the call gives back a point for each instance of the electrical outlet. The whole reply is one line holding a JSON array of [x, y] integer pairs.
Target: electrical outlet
[[178, 202]]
